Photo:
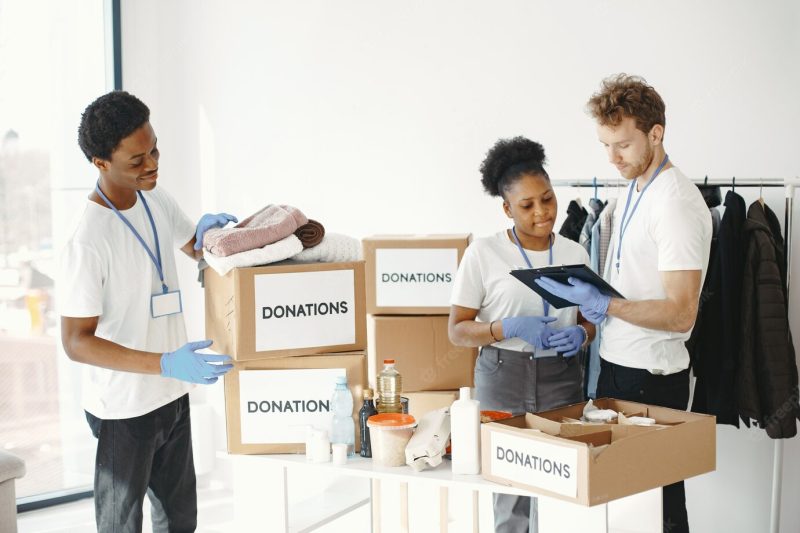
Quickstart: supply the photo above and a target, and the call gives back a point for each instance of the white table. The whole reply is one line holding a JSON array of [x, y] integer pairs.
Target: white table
[[256, 476]]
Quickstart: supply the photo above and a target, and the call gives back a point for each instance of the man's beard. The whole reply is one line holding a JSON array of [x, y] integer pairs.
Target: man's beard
[[642, 165]]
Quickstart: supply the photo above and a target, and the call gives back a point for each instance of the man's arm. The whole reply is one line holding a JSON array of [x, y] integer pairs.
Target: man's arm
[[677, 312], [81, 345]]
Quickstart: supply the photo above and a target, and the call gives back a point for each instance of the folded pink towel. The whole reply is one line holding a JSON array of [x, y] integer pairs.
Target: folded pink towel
[[269, 225]]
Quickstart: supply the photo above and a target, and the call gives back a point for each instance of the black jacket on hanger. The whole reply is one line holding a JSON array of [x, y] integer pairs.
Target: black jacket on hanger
[[714, 344], [766, 379], [576, 218]]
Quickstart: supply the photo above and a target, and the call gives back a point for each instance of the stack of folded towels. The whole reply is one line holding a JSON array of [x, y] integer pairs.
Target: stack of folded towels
[[276, 233]]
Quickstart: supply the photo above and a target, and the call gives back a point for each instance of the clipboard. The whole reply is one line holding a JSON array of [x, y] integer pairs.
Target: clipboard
[[561, 274]]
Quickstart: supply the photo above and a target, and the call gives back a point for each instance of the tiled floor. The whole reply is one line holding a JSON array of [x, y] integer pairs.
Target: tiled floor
[[215, 514]]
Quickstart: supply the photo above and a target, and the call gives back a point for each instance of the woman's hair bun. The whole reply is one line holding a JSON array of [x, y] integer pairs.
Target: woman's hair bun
[[509, 159]]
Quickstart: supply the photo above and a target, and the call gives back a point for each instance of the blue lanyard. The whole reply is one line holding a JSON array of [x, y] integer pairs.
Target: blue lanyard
[[545, 304], [155, 258], [623, 225]]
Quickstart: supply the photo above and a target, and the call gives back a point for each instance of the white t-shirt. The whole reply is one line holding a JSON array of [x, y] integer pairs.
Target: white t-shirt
[[105, 272], [670, 230], [483, 282]]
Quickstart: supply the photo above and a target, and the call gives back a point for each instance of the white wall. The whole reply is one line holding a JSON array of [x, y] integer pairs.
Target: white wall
[[374, 116]]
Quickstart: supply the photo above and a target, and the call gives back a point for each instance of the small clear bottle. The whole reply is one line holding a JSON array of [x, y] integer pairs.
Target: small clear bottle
[[390, 385], [343, 429], [367, 410]]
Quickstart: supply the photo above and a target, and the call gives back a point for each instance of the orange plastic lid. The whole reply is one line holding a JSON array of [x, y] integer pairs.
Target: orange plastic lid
[[388, 361], [491, 416], [391, 421]]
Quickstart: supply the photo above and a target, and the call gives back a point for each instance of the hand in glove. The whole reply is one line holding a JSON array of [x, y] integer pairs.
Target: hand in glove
[[187, 365], [532, 329], [567, 341], [591, 316], [593, 304], [209, 221]]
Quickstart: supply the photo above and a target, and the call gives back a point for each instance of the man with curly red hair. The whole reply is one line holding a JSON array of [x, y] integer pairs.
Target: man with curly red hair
[[657, 258]]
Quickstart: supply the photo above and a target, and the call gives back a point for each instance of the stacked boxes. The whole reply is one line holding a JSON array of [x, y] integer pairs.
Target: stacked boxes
[[409, 279], [291, 329]]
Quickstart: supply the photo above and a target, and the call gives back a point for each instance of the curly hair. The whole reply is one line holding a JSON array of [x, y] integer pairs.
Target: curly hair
[[510, 159], [622, 96], [108, 120]]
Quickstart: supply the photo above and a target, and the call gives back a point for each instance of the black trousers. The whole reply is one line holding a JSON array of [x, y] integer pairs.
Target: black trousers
[[671, 391], [149, 454]]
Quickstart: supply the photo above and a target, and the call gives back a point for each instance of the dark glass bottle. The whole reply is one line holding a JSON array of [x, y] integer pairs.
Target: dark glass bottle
[[366, 411]]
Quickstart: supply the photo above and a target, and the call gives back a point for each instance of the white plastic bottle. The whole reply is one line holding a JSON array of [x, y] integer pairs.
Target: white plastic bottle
[[465, 434]]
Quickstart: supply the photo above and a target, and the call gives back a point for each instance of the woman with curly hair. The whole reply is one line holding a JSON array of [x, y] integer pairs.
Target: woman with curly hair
[[527, 359]]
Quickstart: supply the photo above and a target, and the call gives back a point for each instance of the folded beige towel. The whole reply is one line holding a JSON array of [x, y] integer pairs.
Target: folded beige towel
[[271, 253], [269, 225], [334, 248]]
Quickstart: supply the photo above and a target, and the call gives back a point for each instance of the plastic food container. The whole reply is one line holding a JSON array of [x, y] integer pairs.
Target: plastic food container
[[389, 434]]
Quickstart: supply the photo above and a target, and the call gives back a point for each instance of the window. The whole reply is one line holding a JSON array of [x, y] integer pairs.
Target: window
[[53, 58]]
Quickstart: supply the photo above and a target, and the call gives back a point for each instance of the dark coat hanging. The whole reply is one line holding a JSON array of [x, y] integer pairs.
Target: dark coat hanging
[[767, 387], [576, 218], [714, 344]]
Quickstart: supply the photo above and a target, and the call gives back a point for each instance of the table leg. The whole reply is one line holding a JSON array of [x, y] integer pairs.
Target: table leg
[[404, 507], [443, 511], [375, 512], [475, 512]]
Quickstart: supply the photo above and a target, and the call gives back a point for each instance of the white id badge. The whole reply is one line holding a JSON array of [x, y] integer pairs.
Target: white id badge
[[165, 304]]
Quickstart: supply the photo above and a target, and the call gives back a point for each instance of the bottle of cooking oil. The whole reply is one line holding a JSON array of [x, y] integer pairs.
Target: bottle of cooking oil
[[389, 388]]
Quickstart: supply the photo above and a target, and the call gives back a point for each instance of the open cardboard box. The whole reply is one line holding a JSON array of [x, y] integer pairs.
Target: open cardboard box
[[590, 464]]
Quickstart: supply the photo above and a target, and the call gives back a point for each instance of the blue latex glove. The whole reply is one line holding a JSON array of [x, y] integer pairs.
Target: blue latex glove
[[591, 316], [209, 221], [567, 340], [593, 304], [186, 365], [531, 329]]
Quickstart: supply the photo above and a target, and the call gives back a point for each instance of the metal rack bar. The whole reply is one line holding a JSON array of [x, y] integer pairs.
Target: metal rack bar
[[719, 183]]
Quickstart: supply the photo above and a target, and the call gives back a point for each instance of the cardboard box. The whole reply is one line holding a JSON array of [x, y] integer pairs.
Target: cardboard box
[[286, 309], [412, 274], [270, 402], [590, 464], [422, 403], [426, 359]]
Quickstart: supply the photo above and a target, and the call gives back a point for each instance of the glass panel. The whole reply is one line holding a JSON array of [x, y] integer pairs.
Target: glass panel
[[52, 64]]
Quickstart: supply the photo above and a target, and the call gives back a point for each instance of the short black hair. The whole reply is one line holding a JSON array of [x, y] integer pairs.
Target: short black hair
[[510, 159], [108, 120]]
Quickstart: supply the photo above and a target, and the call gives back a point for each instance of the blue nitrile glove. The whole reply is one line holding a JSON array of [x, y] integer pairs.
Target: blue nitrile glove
[[186, 365], [593, 304], [531, 329], [567, 341], [591, 316], [209, 221]]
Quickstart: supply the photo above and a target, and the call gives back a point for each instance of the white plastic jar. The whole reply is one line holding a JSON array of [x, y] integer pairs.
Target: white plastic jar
[[389, 434]]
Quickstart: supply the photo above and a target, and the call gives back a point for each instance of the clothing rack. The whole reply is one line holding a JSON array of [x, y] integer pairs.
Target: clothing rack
[[732, 182], [789, 185]]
